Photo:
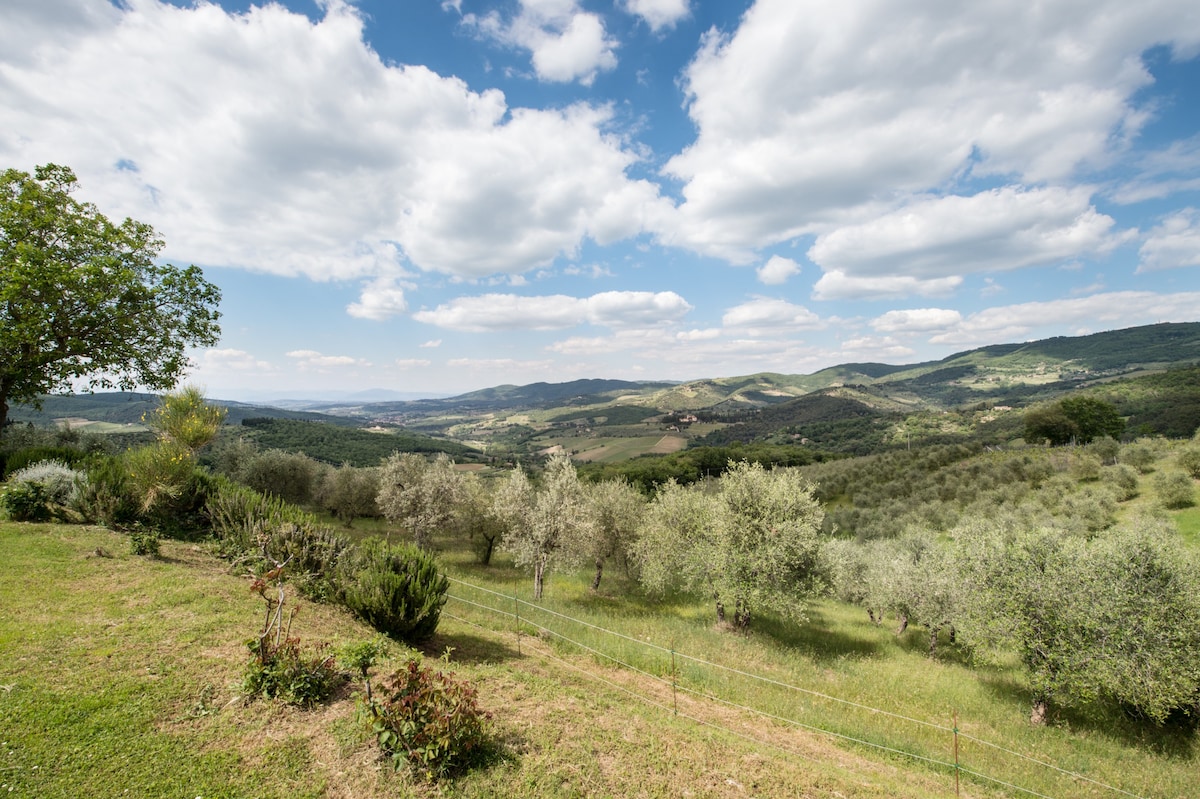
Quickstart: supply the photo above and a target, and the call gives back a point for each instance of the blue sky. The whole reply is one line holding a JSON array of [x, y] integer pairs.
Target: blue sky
[[435, 197]]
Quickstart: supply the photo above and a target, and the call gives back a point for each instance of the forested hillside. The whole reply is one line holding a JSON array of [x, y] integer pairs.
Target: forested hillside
[[336, 445]]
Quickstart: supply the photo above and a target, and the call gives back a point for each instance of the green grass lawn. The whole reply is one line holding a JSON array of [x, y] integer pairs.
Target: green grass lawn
[[121, 677], [121, 674], [1188, 522]]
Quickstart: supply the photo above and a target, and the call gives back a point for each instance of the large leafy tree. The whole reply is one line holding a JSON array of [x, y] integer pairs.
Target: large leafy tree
[[1073, 419], [85, 300]]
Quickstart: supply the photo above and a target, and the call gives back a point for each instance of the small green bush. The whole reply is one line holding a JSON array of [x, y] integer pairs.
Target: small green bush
[[1140, 454], [143, 541], [1189, 461], [286, 673], [1124, 479], [26, 502], [278, 669], [260, 530], [429, 722], [58, 480], [397, 589]]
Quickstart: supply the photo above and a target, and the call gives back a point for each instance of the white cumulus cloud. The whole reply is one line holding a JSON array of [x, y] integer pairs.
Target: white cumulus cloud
[[777, 270], [916, 320], [565, 43], [146, 101], [315, 361], [938, 237], [557, 311], [813, 115], [770, 313], [658, 14], [1173, 243]]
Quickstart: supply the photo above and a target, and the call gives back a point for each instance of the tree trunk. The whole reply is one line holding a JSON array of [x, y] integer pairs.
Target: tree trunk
[[599, 571], [1037, 716], [485, 554], [720, 611], [871, 615], [741, 615], [933, 634], [539, 575], [953, 634], [903, 624]]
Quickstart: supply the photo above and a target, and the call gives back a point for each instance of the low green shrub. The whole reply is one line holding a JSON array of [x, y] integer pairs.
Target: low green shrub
[[143, 541], [278, 668], [58, 479], [26, 502], [287, 673], [105, 497], [41, 491], [260, 530], [1189, 461], [1124, 479], [1175, 490], [428, 721], [396, 588]]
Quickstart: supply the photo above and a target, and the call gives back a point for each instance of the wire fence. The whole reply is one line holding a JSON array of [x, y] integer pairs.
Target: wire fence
[[702, 682]]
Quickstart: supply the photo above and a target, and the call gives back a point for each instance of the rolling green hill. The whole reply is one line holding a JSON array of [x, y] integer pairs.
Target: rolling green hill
[[853, 408]]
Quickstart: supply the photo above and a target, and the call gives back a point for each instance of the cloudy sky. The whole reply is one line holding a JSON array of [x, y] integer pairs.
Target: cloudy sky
[[437, 196]]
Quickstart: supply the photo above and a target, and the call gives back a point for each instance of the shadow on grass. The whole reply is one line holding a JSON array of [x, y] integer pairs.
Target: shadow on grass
[[627, 600], [467, 648], [1175, 738], [819, 638]]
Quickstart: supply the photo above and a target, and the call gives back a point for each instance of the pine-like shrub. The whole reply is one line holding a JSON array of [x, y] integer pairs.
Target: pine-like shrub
[[397, 589]]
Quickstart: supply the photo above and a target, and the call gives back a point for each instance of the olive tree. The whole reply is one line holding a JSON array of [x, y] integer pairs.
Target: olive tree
[[291, 476], [1147, 617], [544, 525], [1025, 595], [349, 492], [83, 299], [478, 520], [1116, 617], [617, 509], [420, 494], [751, 543]]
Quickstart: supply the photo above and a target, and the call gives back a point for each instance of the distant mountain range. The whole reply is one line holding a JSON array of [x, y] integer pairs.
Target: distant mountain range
[[1002, 373]]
